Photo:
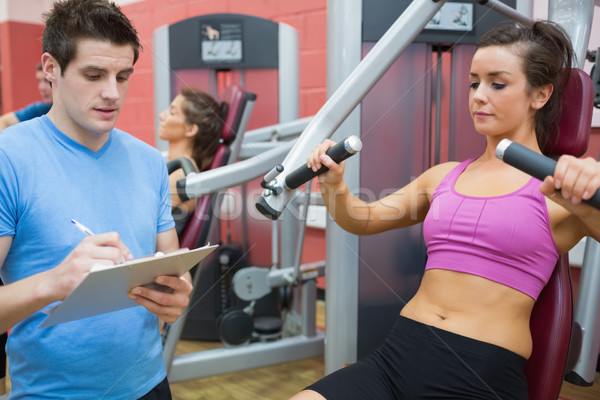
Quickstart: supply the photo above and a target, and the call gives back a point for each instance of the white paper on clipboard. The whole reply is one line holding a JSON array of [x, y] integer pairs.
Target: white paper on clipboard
[[105, 289]]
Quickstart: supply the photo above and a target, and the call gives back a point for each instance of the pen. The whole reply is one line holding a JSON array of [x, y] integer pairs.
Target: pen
[[82, 227]]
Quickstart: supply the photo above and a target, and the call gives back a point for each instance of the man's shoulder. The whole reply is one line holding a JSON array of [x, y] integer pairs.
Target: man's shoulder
[[21, 145], [134, 143], [21, 134], [131, 140]]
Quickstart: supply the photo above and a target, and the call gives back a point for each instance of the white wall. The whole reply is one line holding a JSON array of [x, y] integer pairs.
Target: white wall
[[29, 11]]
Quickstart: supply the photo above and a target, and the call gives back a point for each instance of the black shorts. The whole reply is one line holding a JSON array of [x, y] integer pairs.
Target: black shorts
[[162, 391], [418, 361], [3, 339]]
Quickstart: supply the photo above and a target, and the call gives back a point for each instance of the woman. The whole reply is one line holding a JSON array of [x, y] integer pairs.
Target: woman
[[192, 125], [493, 236]]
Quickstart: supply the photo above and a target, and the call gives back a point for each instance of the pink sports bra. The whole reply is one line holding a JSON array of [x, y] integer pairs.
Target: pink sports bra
[[506, 239]]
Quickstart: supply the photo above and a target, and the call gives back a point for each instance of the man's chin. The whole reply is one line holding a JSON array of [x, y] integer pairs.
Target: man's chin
[[104, 127]]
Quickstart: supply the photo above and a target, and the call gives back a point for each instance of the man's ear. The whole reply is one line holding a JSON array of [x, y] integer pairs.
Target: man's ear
[[50, 67], [541, 96]]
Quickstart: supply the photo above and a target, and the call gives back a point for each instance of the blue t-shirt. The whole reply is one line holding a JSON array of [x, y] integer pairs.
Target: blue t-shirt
[[33, 110], [47, 179]]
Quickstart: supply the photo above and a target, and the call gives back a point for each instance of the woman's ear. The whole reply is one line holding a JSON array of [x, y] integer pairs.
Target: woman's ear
[[541, 96], [191, 130]]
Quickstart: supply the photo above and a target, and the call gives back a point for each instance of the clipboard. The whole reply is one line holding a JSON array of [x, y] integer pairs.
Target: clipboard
[[105, 289]]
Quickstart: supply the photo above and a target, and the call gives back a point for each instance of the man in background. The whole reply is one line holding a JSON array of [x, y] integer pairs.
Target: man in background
[[33, 110]]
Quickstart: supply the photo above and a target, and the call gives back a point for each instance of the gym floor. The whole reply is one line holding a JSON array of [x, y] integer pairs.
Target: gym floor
[[572, 392]]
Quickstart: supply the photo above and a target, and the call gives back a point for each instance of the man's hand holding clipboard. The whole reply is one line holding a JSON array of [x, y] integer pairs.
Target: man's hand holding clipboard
[[106, 288]]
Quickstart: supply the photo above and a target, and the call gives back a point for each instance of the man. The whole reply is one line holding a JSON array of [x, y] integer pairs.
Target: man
[[33, 110], [73, 164]]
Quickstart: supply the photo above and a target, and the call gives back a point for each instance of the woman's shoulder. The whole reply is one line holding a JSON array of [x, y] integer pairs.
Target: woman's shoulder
[[444, 168], [434, 175]]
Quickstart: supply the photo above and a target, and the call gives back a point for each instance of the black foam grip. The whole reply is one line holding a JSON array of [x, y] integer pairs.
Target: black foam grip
[[184, 163], [180, 185], [537, 165], [303, 174]]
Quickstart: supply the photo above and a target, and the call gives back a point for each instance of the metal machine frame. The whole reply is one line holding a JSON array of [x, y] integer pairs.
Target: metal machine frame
[[310, 341]]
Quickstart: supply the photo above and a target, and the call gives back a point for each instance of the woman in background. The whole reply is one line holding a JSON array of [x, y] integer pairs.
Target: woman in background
[[192, 125]]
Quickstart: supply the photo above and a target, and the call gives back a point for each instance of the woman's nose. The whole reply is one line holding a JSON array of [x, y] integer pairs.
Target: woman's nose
[[479, 94]]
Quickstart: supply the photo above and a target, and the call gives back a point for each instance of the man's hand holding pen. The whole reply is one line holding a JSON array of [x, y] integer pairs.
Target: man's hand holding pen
[[106, 249]]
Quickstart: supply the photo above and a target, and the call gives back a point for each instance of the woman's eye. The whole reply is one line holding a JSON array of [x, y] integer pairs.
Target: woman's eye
[[474, 85], [498, 85]]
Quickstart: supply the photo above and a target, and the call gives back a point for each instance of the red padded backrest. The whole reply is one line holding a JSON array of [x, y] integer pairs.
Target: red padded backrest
[[234, 97], [202, 212], [576, 118], [552, 316]]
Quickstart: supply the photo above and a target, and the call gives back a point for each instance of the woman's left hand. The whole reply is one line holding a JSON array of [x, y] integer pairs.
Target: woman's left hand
[[574, 180]]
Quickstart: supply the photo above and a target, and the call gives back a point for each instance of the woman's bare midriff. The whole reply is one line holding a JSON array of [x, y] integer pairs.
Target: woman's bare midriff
[[475, 307]]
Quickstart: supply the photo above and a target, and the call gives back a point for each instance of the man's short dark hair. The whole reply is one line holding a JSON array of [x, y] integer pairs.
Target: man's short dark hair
[[71, 20]]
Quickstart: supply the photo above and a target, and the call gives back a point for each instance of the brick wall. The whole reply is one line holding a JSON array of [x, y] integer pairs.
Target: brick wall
[[21, 50]]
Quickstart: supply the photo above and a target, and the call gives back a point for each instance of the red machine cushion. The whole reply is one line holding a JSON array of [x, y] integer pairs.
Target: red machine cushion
[[233, 97], [576, 117], [552, 316], [551, 323]]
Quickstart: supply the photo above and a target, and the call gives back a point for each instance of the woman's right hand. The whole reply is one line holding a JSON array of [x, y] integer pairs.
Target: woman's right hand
[[318, 158]]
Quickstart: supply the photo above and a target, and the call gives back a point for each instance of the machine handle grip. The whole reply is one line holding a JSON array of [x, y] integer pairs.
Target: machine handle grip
[[184, 163], [188, 168], [338, 153], [535, 164]]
